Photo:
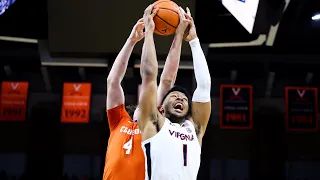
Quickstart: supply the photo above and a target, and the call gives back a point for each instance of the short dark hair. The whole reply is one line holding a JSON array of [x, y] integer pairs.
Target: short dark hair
[[182, 90], [130, 109]]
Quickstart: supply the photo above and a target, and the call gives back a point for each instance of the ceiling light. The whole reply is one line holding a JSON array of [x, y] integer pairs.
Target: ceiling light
[[316, 17]]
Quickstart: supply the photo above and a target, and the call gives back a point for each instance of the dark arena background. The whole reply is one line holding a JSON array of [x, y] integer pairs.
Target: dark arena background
[[49, 48]]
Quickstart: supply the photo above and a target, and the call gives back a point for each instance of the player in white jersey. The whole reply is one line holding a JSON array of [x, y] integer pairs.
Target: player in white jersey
[[171, 142]]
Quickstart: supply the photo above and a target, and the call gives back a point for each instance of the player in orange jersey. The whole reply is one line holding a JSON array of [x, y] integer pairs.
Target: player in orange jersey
[[125, 159]]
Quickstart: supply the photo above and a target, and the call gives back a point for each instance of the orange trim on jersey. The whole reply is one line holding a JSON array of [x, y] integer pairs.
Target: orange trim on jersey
[[116, 115]]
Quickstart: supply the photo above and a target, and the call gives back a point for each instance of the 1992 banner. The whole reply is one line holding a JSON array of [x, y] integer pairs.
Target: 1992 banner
[[236, 106], [302, 108], [76, 103]]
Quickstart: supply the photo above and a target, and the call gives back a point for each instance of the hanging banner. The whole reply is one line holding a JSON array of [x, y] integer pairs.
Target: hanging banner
[[236, 106], [301, 108], [14, 97], [76, 103]]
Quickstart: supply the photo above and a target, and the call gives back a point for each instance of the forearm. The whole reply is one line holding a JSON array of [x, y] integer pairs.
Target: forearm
[[149, 64], [201, 71], [170, 70], [148, 71], [119, 67], [171, 65]]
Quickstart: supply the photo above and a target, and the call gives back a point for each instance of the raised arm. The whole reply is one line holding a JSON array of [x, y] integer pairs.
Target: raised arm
[[148, 70], [171, 65], [201, 100], [115, 95]]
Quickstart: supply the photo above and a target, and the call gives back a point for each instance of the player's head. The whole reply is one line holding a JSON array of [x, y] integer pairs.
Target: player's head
[[176, 104], [131, 109]]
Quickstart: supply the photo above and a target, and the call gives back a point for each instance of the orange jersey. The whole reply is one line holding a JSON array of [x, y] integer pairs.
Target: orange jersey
[[124, 158]]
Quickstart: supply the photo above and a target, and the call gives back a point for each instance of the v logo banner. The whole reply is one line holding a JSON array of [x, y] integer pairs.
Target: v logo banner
[[236, 91], [76, 87], [14, 85], [301, 93]]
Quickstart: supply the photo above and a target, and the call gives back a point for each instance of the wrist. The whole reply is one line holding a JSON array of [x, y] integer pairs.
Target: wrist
[[148, 33], [194, 41], [178, 36], [131, 41]]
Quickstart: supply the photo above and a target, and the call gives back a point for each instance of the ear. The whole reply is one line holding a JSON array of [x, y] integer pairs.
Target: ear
[[161, 109]]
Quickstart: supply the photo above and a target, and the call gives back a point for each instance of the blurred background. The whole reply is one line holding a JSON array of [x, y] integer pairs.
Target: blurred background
[[51, 50]]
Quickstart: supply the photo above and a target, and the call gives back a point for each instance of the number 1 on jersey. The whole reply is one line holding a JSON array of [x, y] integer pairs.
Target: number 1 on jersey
[[185, 151], [128, 146]]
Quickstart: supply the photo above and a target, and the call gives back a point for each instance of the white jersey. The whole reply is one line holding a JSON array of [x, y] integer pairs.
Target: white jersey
[[173, 153]]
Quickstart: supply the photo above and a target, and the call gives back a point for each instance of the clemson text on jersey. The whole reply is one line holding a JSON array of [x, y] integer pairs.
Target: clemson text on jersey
[[129, 131]]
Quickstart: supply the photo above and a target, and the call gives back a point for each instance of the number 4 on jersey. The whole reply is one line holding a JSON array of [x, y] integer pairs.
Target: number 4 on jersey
[[128, 146]]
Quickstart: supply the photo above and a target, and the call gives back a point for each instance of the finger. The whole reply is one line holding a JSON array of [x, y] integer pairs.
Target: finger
[[188, 11], [140, 20], [181, 14], [139, 25], [154, 12], [182, 10], [187, 21], [147, 11], [140, 33], [189, 17]]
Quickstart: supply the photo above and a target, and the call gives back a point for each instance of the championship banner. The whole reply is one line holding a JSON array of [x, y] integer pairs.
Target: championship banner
[[76, 103], [301, 108], [14, 101], [236, 106]]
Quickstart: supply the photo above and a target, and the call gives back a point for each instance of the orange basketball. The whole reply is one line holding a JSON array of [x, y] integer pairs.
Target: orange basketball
[[167, 18]]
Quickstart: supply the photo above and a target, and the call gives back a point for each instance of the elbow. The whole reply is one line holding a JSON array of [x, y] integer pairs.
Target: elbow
[[166, 81], [112, 81], [204, 84], [204, 88], [149, 72]]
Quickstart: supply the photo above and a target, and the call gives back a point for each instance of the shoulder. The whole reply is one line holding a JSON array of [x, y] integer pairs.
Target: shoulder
[[118, 112], [196, 126]]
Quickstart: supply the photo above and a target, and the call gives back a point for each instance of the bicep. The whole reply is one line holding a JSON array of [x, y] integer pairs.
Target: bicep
[[147, 103], [115, 95], [163, 88], [114, 104], [201, 114]]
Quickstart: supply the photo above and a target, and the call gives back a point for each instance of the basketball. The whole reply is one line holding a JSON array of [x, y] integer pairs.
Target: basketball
[[167, 18]]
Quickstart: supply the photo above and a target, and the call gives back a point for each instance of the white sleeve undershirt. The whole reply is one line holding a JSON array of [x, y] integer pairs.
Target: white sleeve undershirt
[[202, 74]]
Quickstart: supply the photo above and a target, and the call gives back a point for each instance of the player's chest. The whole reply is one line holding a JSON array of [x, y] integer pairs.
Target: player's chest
[[182, 133]]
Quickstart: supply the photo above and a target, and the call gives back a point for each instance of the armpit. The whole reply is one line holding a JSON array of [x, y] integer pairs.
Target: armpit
[[197, 128]]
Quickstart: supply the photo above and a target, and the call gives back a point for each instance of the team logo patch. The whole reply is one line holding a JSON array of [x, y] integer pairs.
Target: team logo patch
[[189, 130], [185, 125]]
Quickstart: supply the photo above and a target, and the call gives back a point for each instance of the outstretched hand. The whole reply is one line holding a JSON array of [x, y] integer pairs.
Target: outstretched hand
[[137, 31], [184, 22], [191, 32], [148, 18]]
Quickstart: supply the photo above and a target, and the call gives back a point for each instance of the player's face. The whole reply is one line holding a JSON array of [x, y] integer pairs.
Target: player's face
[[176, 105]]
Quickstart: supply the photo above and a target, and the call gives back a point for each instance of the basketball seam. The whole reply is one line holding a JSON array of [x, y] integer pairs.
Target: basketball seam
[[169, 10], [158, 30], [165, 21]]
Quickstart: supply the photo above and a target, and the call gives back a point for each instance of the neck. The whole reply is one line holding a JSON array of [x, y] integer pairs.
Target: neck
[[175, 119]]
